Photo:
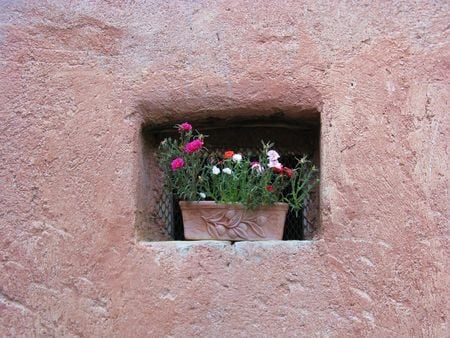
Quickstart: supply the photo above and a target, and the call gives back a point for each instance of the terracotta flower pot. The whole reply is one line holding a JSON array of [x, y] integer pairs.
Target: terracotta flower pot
[[210, 220]]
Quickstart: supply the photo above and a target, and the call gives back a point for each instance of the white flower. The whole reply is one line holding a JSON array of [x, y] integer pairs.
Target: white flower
[[275, 164], [215, 170], [202, 195], [227, 171], [272, 156], [237, 158]]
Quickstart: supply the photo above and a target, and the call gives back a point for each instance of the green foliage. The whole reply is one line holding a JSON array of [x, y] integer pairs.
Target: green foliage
[[301, 183], [184, 181], [233, 178]]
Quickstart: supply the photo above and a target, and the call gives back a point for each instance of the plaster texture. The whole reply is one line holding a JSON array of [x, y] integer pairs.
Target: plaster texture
[[78, 81]]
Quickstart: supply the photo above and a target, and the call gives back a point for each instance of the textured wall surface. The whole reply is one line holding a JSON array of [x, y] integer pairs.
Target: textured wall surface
[[80, 78]]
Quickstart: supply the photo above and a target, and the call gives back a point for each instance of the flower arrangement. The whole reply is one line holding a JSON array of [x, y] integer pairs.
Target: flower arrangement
[[194, 174]]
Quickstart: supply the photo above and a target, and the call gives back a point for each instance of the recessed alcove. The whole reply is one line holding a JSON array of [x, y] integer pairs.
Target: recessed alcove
[[159, 217]]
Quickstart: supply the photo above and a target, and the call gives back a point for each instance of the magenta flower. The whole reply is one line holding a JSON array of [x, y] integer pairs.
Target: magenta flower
[[184, 127], [177, 163], [193, 146]]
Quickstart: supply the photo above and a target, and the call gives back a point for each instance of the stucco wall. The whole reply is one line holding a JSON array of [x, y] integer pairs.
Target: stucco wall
[[78, 80]]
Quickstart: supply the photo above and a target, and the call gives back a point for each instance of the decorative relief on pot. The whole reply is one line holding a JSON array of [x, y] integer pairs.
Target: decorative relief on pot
[[207, 220], [235, 224]]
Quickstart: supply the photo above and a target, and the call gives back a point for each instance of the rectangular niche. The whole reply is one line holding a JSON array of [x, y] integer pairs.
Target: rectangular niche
[[159, 213]]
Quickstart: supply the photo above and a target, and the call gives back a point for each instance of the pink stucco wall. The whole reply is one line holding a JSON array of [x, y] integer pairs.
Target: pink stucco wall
[[78, 80]]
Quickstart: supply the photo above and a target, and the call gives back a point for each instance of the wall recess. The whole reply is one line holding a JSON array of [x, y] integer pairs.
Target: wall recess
[[159, 214]]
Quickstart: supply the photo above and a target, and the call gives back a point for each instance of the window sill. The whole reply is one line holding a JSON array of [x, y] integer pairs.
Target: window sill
[[237, 248]]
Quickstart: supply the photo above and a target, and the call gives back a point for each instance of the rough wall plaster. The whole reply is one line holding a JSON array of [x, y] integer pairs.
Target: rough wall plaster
[[80, 78]]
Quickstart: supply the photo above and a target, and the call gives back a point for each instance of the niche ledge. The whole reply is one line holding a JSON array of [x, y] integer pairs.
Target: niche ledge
[[241, 248]]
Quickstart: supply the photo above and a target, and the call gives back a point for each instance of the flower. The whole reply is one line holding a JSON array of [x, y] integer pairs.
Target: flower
[[283, 170], [269, 188], [275, 164], [177, 163], [257, 166], [278, 170], [227, 171], [288, 171], [202, 195], [237, 158], [215, 170], [228, 154], [273, 156], [184, 127], [193, 146]]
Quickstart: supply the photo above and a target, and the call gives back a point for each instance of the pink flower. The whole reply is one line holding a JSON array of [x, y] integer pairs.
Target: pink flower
[[257, 166], [177, 163], [272, 156], [184, 127], [193, 146]]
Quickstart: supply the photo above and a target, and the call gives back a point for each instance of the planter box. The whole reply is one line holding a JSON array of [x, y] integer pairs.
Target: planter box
[[232, 222]]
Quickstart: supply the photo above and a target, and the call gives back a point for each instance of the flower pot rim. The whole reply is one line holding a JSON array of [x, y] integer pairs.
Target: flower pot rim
[[214, 205]]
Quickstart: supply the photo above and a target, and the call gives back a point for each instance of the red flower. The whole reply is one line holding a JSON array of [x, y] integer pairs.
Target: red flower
[[184, 127], [278, 170], [177, 163], [228, 154], [288, 171], [193, 146], [269, 188]]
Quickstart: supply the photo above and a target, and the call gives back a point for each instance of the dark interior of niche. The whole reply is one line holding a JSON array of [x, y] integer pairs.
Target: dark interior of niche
[[292, 138]]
